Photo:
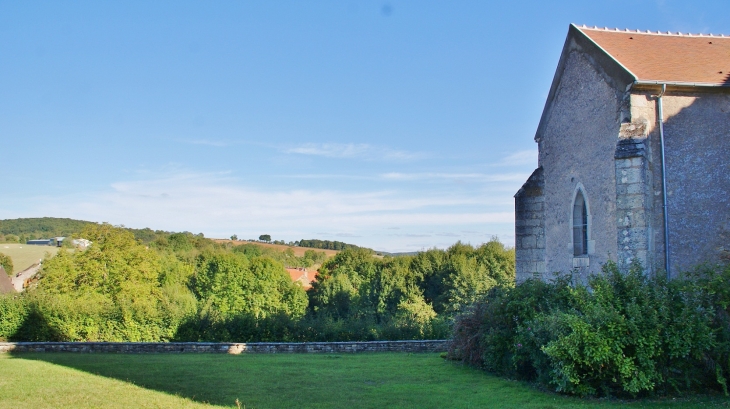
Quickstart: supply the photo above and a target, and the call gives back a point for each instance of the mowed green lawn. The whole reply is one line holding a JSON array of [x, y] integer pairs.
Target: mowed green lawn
[[24, 255], [386, 380]]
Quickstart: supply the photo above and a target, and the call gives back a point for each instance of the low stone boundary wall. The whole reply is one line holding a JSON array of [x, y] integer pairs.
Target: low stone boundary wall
[[227, 347]]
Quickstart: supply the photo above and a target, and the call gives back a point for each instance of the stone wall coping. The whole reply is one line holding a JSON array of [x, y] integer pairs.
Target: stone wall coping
[[228, 347]]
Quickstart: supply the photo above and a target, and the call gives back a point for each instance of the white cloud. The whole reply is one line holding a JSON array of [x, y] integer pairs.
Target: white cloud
[[219, 206], [481, 177], [351, 150], [526, 157], [361, 151]]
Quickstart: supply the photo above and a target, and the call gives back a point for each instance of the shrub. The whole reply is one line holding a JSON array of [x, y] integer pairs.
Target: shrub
[[7, 263], [13, 313], [625, 333]]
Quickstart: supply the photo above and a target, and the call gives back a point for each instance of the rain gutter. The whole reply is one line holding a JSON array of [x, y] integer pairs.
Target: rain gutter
[[660, 118]]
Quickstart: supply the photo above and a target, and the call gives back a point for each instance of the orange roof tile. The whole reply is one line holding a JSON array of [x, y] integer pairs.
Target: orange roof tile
[[306, 277], [680, 58]]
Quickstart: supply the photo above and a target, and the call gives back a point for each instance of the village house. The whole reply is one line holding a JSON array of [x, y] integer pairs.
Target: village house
[[634, 145], [302, 275]]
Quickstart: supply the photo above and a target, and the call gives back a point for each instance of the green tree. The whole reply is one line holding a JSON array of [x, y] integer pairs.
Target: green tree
[[234, 237], [7, 263], [265, 237], [470, 273], [229, 284], [116, 290]]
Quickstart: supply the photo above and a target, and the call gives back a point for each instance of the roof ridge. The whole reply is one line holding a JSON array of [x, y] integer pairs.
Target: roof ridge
[[649, 32]]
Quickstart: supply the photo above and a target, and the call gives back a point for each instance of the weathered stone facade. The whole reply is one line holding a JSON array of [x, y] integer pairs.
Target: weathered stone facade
[[530, 227], [227, 347], [633, 200], [599, 136]]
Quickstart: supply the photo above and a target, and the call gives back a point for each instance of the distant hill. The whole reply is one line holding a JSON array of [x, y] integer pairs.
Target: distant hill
[[41, 227], [46, 227]]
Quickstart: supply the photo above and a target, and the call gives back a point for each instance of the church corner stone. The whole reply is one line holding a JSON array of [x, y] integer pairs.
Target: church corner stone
[[530, 228], [633, 196]]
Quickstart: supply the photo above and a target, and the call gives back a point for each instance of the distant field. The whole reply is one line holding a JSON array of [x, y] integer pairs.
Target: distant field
[[298, 251], [353, 381], [24, 255]]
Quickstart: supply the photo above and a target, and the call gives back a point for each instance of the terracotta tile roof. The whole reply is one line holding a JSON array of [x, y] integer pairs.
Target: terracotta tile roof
[[701, 59], [303, 275]]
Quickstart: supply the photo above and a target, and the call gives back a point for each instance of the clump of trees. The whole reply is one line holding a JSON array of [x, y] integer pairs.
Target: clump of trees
[[182, 286], [625, 333], [286, 257], [325, 244]]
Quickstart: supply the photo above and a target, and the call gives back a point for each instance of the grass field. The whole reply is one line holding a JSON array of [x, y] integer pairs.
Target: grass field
[[298, 251], [355, 381], [24, 255]]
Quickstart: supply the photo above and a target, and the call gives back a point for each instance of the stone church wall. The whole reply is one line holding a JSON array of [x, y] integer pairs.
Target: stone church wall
[[697, 142], [577, 148], [530, 228]]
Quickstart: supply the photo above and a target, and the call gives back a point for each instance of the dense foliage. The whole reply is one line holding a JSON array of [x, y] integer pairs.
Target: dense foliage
[[7, 263], [326, 244], [20, 230], [286, 257], [625, 333], [144, 285]]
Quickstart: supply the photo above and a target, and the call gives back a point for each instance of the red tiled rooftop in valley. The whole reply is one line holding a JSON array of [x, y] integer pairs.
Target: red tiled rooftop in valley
[[304, 276], [667, 57]]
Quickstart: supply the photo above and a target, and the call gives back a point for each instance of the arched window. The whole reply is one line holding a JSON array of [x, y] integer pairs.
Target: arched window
[[580, 225]]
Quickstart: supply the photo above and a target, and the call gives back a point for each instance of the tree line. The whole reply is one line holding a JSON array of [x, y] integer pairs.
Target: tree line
[[184, 287], [326, 244]]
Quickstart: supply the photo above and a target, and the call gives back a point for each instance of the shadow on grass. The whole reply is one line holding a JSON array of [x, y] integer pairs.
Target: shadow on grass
[[205, 378], [284, 380], [392, 380]]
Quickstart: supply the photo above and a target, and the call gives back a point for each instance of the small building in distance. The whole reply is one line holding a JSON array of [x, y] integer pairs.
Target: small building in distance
[[81, 243], [53, 241], [302, 275], [58, 242], [633, 156], [40, 242]]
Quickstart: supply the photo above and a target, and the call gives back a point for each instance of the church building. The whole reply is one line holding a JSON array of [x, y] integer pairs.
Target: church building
[[634, 156]]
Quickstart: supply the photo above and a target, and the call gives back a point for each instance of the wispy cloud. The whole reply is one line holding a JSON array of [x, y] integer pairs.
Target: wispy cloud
[[352, 150], [362, 151], [525, 157], [219, 205], [482, 177]]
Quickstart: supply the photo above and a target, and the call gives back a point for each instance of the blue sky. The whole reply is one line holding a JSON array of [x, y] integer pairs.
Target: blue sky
[[396, 125]]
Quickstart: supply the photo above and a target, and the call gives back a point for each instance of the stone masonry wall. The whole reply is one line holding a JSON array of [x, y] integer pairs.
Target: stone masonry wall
[[577, 143], [226, 347], [697, 142], [633, 197], [530, 229]]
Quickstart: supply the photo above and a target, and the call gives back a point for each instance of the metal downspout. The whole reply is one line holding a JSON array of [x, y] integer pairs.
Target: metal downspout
[[660, 115]]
